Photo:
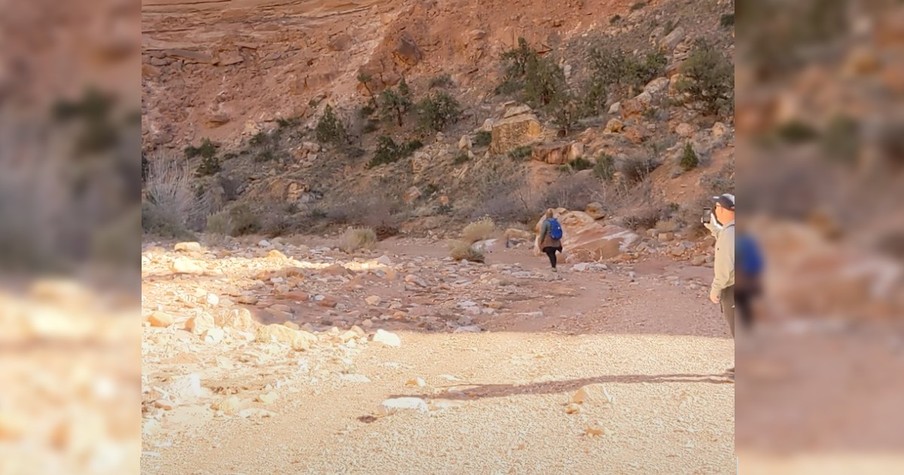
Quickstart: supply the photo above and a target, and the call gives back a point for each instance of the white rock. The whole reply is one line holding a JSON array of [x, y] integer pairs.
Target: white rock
[[411, 403], [469, 329], [188, 247], [264, 243], [384, 261], [213, 299], [186, 387], [214, 335], [355, 378], [387, 338]]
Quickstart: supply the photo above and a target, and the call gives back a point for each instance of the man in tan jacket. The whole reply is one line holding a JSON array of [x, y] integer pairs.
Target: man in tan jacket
[[722, 290]]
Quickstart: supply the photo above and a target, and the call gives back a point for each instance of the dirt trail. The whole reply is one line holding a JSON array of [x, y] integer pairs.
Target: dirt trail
[[644, 343]]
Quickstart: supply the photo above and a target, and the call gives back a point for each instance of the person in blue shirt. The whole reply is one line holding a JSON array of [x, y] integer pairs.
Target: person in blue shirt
[[749, 269]]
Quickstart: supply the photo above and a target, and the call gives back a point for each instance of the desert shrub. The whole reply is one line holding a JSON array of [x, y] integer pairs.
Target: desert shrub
[[483, 138], [841, 139], [171, 204], [386, 231], [371, 126], [581, 163], [219, 223], [540, 79], [207, 149], [462, 251], [613, 71], [265, 155], [388, 151], [641, 220], [708, 79], [443, 80], [285, 123], [615, 19], [571, 192], [521, 153], [478, 230], [604, 167], [689, 159], [395, 103], [243, 220], [438, 111], [796, 132], [209, 166], [354, 239], [638, 6], [667, 225], [330, 129], [636, 169], [461, 158], [727, 20]]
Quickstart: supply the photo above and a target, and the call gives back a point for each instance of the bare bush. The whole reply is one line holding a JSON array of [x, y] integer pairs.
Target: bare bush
[[354, 239], [478, 230], [171, 204], [573, 192]]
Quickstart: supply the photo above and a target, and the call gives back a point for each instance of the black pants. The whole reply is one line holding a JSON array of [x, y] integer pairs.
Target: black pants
[[728, 307], [745, 311], [551, 252]]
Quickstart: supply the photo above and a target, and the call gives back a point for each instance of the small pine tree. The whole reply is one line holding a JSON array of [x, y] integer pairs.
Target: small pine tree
[[689, 159], [708, 78], [330, 129], [396, 103], [438, 111]]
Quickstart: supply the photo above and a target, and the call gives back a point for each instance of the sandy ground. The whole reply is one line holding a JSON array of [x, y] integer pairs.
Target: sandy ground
[[648, 348]]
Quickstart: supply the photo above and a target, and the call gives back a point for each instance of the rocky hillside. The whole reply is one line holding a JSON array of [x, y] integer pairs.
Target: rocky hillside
[[414, 115]]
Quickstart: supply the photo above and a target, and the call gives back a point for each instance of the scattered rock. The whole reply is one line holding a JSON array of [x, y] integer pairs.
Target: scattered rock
[[199, 324], [614, 126], [672, 39], [187, 247], [572, 408], [354, 378], [185, 266], [255, 412], [268, 398], [685, 130], [214, 335], [239, 319], [698, 260], [387, 338], [160, 319], [229, 406], [469, 329], [373, 300], [406, 403], [465, 142], [419, 382], [615, 108], [595, 210]]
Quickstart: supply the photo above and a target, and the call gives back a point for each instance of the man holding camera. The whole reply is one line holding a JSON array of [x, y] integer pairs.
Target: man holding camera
[[722, 224]]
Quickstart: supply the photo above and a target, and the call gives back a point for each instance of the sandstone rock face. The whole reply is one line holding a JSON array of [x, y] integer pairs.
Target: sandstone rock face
[[551, 153], [515, 130]]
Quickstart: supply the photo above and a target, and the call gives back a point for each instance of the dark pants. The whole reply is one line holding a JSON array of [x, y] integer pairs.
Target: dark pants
[[728, 307], [551, 252], [746, 290]]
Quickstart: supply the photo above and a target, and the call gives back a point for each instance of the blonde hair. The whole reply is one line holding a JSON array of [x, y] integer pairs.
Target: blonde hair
[[550, 213]]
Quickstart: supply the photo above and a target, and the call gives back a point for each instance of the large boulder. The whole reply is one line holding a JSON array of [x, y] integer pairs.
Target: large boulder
[[518, 128], [586, 240], [551, 153]]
